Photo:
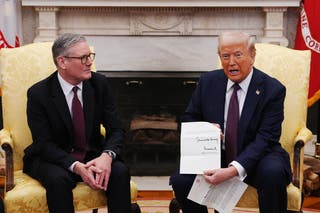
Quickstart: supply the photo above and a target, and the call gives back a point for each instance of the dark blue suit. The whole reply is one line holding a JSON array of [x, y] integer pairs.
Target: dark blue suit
[[259, 151], [49, 157]]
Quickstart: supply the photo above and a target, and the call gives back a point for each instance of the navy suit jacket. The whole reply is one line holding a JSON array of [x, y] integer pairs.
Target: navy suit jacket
[[259, 127], [51, 126]]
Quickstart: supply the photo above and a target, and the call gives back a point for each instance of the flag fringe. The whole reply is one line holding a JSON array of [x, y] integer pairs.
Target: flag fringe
[[313, 99]]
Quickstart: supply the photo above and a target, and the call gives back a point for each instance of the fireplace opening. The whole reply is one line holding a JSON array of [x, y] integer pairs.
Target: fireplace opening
[[151, 109]]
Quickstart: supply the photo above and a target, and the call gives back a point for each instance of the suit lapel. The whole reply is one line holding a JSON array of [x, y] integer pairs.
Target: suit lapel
[[220, 101], [61, 104], [255, 91], [88, 106]]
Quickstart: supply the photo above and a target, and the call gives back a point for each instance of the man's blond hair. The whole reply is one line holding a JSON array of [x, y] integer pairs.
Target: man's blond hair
[[237, 38]]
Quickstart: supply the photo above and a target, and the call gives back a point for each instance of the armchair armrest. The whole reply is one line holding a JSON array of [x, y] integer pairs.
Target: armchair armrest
[[304, 135], [6, 143]]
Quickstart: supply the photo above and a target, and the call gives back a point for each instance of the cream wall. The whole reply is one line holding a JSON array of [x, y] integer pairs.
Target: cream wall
[[29, 24], [292, 17]]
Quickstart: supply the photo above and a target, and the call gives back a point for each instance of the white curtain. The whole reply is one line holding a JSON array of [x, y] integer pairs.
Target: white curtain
[[10, 23]]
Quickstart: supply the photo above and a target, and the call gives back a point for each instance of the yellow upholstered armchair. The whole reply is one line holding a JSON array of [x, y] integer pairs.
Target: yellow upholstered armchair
[[22, 67], [291, 68]]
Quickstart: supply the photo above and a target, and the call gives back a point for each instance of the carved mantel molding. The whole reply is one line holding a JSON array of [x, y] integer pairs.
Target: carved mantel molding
[[163, 3], [261, 18]]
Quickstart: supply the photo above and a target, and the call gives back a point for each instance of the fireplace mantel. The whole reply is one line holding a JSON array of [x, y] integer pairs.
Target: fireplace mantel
[[176, 29], [262, 18], [163, 3]]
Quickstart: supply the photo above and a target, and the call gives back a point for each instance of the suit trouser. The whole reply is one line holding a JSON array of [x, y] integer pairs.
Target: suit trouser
[[270, 179], [59, 183]]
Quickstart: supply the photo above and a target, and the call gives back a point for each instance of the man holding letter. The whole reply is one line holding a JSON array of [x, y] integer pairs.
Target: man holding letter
[[248, 106]]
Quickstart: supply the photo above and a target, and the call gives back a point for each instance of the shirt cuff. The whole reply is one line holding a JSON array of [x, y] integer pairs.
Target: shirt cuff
[[241, 171], [111, 153], [72, 166]]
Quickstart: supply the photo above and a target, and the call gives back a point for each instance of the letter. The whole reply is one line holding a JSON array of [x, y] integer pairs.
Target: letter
[[311, 43]]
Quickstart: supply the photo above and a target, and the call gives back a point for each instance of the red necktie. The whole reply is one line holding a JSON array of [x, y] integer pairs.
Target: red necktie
[[231, 134], [79, 151]]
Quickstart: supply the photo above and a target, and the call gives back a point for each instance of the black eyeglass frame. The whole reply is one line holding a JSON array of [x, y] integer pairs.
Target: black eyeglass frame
[[84, 58]]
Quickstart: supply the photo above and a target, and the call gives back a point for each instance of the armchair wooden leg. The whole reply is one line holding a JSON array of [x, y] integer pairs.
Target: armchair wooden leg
[[174, 206], [135, 208]]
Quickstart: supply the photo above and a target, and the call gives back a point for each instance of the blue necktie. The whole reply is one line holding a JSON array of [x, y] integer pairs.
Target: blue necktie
[[79, 135], [231, 134]]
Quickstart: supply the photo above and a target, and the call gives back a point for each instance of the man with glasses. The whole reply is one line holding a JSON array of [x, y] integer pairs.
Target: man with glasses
[[64, 113]]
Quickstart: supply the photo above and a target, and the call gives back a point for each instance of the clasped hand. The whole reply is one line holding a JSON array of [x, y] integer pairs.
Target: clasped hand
[[96, 172]]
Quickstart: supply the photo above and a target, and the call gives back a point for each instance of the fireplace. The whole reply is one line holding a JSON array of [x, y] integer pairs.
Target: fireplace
[[151, 109]]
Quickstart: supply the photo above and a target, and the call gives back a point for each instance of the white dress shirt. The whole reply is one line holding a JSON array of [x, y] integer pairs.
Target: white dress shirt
[[68, 93], [241, 93]]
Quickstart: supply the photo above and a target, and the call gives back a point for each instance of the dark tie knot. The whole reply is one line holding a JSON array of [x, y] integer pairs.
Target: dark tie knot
[[75, 89], [236, 87]]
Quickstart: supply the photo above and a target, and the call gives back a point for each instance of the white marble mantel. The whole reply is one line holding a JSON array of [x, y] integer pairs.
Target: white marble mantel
[[163, 3], [53, 15], [126, 22]]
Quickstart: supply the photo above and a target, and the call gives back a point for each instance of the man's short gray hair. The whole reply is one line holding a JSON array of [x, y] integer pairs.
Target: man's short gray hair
[[62, 44]]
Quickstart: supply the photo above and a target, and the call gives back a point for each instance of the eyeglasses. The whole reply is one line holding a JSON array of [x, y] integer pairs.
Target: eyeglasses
[[84, 58]]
